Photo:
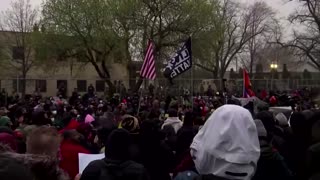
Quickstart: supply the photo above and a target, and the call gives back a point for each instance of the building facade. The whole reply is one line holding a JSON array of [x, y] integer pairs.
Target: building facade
[[47, 76]]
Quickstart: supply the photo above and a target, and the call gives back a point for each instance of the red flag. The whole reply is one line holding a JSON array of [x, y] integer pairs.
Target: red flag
[[247, 89]]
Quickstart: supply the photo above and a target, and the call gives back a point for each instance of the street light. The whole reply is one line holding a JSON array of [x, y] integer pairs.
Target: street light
[[273, 67]]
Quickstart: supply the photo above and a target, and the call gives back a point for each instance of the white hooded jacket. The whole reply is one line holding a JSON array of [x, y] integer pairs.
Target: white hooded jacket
[[175, 122], [227, 146]]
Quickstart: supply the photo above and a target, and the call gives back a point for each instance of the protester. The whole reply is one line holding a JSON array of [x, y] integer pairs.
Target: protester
[[298, 144], [11, 169], [150, 137], [41, 166], [69, 150], [271, 164], [44, 140], [173, 120], [4, 119], [9, 140], [185, 136], [227, 147], [89, 117], [156, 156], [117, 164], [313, 162], [131, 124]]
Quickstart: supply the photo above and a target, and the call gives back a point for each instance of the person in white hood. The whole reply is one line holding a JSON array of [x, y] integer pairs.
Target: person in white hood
[[227, 147], [173, 120]]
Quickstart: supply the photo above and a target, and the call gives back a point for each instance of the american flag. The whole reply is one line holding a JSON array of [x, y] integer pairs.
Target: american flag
[[148, 69]]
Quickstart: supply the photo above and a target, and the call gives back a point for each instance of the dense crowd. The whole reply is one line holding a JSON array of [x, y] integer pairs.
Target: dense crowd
[[159, 138]]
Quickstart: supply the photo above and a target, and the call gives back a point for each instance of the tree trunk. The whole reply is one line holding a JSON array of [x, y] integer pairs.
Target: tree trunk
[[132, 75], [251, 65], [215, 79], [112, 88], [23, 86]]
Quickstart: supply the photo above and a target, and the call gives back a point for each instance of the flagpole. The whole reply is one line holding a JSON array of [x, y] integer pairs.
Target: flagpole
[[192, 83], [244, 86], [139, 102]]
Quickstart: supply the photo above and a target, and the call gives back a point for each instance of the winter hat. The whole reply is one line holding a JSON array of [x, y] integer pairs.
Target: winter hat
[[262, 132], [130, 123], [88, 119], [282, 120], [5, 121], [117, 146], [267, 119], [227, 146]]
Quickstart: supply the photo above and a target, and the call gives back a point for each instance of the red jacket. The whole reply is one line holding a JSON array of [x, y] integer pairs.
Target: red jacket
[[69, 157], [73, 124]]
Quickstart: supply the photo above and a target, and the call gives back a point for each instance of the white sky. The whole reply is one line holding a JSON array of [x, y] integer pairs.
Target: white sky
[[5, 4], [284, 7]]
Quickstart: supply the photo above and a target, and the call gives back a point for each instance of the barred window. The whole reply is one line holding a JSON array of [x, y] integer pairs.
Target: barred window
[[41, 85], [15, 85], [82, 85], [100, 86], [62, 83]]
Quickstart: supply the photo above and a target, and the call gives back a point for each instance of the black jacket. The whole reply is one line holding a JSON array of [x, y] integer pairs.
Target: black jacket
[[114, 170], [210, 177], [271, 165]]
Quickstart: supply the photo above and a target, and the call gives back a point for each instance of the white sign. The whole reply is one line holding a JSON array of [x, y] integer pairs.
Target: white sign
[[86, 159]]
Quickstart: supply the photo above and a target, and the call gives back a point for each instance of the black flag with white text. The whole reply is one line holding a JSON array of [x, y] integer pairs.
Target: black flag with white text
[[180, 63]]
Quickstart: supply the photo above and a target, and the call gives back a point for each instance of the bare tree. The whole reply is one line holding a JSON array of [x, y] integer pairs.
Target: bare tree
[[232, 31], [17, 23], [306, 40], [263, 24]]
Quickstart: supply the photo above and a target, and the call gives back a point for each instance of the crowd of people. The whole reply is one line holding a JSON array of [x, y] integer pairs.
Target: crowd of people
[[158, 138]]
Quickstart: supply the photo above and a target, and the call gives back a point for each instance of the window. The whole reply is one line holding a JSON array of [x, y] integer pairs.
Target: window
[[100, 86], [62, 83], [17, 53], [82, 85], [15, 85], [41, 85]]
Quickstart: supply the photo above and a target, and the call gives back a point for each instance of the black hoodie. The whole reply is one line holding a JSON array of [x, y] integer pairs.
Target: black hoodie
[[116, 165]]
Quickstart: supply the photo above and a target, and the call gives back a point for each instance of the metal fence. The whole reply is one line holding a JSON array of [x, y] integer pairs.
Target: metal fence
[[49, 87]]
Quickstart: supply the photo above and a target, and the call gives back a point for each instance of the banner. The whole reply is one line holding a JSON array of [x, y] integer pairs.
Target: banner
[[181, 62]]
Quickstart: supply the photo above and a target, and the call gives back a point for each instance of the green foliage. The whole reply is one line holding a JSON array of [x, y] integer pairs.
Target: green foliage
[[104, 31]]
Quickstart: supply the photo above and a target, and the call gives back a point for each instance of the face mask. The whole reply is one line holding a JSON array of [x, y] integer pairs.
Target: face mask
[[54, 112], [52, 119]]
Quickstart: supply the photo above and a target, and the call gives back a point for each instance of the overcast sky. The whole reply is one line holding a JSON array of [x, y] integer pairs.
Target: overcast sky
[[5, 4], [282, 6]]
